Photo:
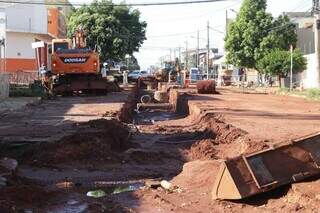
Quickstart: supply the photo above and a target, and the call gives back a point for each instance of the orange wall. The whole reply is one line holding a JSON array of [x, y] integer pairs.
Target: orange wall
[[53, 14], [15, 64], [56, 23]]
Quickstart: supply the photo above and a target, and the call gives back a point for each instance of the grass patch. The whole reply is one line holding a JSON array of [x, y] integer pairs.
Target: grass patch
[[32, 90], [311, 94]]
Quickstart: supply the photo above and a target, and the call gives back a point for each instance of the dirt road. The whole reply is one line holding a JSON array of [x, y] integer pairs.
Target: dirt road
[[54, 119], [161, 145], [266, 117]]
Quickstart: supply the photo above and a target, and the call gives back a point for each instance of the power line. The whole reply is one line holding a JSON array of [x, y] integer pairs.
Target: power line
[[302, 4], [173, 35], [199, 16], [121, 5], [216, 30]]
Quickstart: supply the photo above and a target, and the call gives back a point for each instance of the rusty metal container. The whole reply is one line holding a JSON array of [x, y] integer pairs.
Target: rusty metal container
[[260, 172]]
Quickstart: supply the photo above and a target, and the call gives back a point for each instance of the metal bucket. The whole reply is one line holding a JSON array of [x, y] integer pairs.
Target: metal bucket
[[260, 172]]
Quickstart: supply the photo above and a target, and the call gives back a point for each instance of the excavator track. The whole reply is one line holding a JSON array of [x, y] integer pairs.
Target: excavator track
[[86, 84]]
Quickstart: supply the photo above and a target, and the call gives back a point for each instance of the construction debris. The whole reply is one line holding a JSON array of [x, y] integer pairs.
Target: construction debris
[[206, 87], [153, 184], [259, 172], [161, 97], [96, 194], [166, 185]]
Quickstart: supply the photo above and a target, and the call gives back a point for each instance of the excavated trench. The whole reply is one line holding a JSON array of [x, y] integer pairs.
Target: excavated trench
[[107, 155]]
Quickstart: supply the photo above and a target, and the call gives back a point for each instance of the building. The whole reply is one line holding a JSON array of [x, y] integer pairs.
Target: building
[[305, 32], [202, 64], [306, 43], [21, 24]]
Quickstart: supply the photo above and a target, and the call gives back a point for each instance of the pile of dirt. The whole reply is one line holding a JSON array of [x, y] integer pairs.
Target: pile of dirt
[[94, 141], [248, 146], [141, 156], [203, 150], [206, 87], [197, 175], [224, 133], [304, 195]]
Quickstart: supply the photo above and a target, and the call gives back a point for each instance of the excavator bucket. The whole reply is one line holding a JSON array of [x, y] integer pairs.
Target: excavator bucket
[[264, 171]]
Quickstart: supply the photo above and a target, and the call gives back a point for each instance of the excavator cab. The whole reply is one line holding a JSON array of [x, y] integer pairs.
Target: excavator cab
[[60, 44]]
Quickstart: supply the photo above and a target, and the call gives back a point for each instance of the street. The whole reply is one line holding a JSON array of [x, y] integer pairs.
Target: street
[[183, 149]]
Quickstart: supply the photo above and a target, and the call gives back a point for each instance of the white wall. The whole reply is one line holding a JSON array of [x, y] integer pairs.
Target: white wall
[[306, 41], [27, 18], [310, 75], [19, 45]]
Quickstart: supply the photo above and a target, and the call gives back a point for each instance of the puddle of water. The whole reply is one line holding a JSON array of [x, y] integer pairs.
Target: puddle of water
[[122, 189], [72, 206], [152, 117], [75, 206]]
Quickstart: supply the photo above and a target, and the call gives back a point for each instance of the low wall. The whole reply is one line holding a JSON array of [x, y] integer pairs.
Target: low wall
[[4, 85], [179, 101]]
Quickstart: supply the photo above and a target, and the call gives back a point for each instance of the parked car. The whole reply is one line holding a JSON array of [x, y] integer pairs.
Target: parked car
[[134, 75]]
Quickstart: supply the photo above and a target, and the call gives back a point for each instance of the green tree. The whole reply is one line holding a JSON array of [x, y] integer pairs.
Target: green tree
[[278, 63], [280, 36], [115, 30], [255, 33], [132, 63], [246, 33]]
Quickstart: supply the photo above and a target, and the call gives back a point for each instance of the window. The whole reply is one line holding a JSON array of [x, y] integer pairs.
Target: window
[[61, 46]]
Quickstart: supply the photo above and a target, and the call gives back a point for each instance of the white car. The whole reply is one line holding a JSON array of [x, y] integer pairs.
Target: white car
[[134, 75]]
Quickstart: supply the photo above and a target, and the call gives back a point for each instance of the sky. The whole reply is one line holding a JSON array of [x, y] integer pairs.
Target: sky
[[173, 26]]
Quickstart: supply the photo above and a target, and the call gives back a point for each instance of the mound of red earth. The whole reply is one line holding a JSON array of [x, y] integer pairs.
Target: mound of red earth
[[206, 87], [227, 141], [94, 141], [203, 150], [224, 133]]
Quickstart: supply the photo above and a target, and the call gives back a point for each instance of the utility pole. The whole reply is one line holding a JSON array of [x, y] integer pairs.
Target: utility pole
[[317, 47], [315, 6], [208, 48], [315, 10], [187, 56], [291, 67], [226, 22], [197, 61]]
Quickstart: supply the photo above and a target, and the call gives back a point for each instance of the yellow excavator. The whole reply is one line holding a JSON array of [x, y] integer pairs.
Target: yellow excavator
[[170, 69]]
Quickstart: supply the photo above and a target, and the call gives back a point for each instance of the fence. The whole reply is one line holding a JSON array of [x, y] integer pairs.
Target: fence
[[4, 85], [235, 80], [23, 77]]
